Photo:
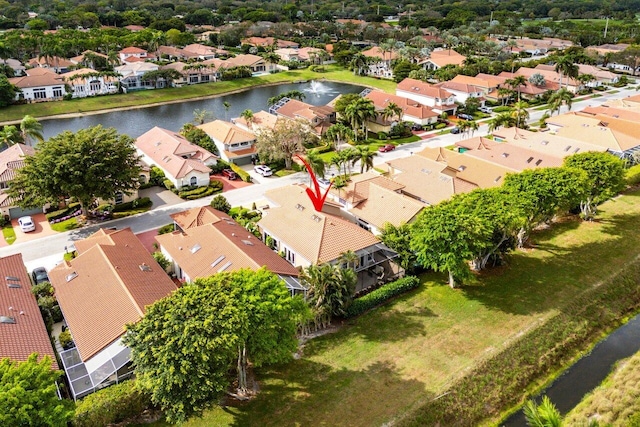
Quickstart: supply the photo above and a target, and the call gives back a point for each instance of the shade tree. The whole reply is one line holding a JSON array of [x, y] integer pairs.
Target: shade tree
[[287, 138]]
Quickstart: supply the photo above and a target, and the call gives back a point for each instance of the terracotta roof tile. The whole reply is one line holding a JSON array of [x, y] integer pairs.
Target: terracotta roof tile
[[226, 133], [109, 284], [421, 88], [383, 205], [28, 334]]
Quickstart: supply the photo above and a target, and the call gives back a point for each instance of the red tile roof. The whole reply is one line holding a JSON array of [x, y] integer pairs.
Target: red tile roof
[[29, 334]]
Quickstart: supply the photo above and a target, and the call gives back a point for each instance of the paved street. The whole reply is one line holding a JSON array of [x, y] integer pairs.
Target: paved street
[[47, 251]]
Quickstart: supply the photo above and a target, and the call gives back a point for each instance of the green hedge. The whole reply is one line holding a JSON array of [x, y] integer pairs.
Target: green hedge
[[134, 204], [199, 192], [382, 294], [323, 149], [632, 175], [502, 109], [244, 175], [68, 211], [168, 184], [166, 229], [110, 405]]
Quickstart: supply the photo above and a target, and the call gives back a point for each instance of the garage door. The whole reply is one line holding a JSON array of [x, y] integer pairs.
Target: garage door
[[18, 212]]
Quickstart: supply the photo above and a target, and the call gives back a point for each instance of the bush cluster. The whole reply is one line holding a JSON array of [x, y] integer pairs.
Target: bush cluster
[[382, 294], [323, 149], [219, 166], [63, 214], [143, 202], [168, 184], [199, 192], [110, 405], [166, 229], [244, 175], [632, 175]]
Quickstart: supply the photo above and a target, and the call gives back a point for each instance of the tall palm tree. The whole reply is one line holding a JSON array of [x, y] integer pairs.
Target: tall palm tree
[[516, 82], [30, 128], [520, 114], [566, 67], [563, 96], [358, 112], [365, 157], [358, 63], [10, 135], [338, 134], [339, 183], [247, 115], [392, 110], [585, 79], [349, 258], [318, 166]]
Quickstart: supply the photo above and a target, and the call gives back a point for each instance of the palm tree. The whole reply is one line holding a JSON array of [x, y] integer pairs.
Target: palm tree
[[358, 63], [201, 115], [516, 82], [544, 415], [473, 126], [338, 134], [339, 183], [365, 157], [358, 112], [502, 119], [504, 94], [566, 67], [10, 135], [520, 114], [349, 258], [318, 166], [226, 106], [585, 79], [30, 128], [247, 115], [563, 96], [392, 110], [271, 57]]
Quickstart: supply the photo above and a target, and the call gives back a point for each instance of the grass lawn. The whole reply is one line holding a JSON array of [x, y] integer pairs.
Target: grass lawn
[[373, 145], [66, 225], [144, 97], [9, 234], [394, 359]]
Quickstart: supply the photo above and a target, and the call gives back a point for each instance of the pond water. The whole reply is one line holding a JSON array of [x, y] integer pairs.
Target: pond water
[[587, 373], [137, 121]]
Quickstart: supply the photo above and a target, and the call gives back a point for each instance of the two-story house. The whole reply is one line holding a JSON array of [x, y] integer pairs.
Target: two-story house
[[439, 99], [320, 118], [235, 145]]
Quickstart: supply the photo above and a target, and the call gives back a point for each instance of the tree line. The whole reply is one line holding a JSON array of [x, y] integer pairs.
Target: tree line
[[476, 229]]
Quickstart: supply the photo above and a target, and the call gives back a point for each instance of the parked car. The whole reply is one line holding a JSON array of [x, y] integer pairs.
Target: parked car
[[26, 224], [324, 182], [465, 116], [416, 126], [455, 130], [486, 110], [229, 174], [386, 148], [39, 275], [263, 170]]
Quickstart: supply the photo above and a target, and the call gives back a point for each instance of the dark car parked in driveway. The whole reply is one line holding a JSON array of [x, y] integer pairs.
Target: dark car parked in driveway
[[465, 116], [39, 275]]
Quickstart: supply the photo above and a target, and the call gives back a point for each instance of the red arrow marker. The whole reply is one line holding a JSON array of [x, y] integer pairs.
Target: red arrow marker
[[317, 198]]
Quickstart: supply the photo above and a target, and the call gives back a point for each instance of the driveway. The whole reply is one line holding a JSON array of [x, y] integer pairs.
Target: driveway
[[160, 196], [42, 229], [228, 185]]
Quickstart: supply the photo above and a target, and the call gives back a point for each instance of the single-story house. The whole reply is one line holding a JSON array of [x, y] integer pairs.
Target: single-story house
[[440, 100]]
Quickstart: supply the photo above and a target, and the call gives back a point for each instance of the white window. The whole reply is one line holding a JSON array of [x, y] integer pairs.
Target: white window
[[193, 181], [57, 92], [40, 93], [119, 198]]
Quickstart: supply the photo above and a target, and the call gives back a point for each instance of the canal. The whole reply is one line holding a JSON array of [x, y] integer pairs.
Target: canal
[[135, 122]]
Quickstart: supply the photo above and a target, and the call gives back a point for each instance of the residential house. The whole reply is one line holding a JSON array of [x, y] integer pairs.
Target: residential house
[[54, 63], [22, 329], [81, 59], [544, 142], [619, 135], [440, 100], [463, 91], [412, 111], [200, 51], [320, 118], [108, 285], [173, 53], [11, 160], [270, 42], [198, 72], [132, 54], [87, 82], [371, 201], [207, 241], [527, 91], [605, 51], [183, 163], [551, 78], [15, 65], [261, 120], [256, 63], [380, 65], [602, 77], [235, 145], [305, 236], [40, 84], [510, 156], [132, 75], [442, 57]]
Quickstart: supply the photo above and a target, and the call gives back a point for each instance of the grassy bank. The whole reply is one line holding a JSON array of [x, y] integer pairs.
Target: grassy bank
[[147, 97], [616, 402], [397, 359]]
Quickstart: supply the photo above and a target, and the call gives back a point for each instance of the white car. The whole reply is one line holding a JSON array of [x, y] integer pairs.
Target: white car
[[26, 224], [263, 170], [486, 110]]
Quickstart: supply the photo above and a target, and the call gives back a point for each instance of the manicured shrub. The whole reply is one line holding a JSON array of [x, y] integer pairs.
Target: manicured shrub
[[323, 149], [143, 202], [382, 136], [156, 176], [110, 405], [244, 175], [166, 229], [219, 166], [221, 203], [632, 175], [382, 294], [64, 338], [502, 109], [193, 193], [72, 210]]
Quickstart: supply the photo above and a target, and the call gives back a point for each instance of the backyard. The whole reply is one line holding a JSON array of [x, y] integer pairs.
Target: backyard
[[396, 358], [145, 97]]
